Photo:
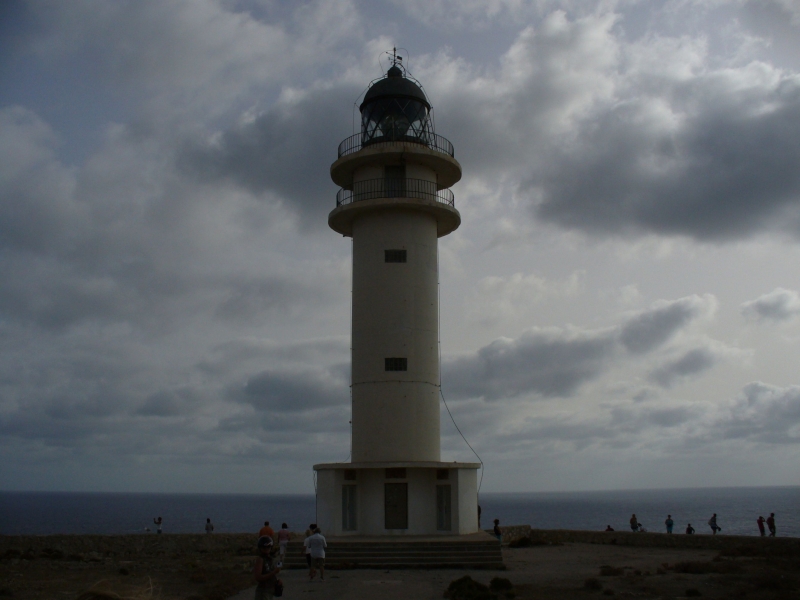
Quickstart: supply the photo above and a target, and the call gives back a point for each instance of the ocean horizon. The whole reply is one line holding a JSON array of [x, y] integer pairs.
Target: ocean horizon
[[47, 513]]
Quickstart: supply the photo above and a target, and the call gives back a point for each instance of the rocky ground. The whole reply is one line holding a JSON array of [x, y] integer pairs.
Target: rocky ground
[[195, 567]]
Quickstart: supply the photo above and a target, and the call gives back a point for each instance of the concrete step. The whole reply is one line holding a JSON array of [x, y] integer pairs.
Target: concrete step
[[403, 554]]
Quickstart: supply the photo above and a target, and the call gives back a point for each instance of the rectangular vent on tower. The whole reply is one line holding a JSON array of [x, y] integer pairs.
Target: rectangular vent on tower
[[395, 256], [396, 364], [395, 473]]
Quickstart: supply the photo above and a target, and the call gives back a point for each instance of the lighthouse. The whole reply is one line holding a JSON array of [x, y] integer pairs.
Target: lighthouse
[[395, 203]]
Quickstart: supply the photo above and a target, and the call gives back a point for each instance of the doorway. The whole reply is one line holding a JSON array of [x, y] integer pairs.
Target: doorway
[[443, 508], [395, 505]]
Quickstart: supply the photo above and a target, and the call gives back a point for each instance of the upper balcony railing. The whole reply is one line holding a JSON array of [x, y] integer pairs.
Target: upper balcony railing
[[430, 140], [373, 189]]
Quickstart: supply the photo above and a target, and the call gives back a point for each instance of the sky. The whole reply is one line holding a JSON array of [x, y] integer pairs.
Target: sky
[[620, 307]]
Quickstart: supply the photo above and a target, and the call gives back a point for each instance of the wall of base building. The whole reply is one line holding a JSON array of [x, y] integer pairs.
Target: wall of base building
[[422, 502]]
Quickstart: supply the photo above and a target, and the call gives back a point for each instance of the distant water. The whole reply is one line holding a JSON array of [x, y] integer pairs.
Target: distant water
[[42, 513]]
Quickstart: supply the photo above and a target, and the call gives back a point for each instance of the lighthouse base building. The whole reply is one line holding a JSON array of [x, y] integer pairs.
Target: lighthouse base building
[[395, 203], [397, 498]]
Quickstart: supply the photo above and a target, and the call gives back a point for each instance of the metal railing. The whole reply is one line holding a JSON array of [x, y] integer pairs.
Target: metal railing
[[430, 140], [373, 189]]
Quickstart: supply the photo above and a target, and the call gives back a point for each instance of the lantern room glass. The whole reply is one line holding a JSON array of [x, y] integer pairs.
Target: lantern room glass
[[395, 119]]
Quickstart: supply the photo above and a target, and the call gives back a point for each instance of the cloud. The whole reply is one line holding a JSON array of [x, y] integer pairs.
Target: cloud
[[550, 362], [556, 362], [657, 136], [653, 327], [763, 413], [283, 154], [778, 305], [308, 390], [693, 362]]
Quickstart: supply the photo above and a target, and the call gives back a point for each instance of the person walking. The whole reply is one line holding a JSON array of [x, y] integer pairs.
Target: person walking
[[669, 523], [771, 524], [760, 522], [209, 526], [284, 535], [316, 545], [689, 529], [712, 522], [159, 521], [265, 571], [306, 549], [634, 523], [497, 532]]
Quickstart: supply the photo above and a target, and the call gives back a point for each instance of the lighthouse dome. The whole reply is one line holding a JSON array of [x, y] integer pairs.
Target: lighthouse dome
[[395, 109]]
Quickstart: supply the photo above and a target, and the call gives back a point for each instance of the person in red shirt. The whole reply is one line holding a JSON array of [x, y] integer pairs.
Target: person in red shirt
[[266, 530]]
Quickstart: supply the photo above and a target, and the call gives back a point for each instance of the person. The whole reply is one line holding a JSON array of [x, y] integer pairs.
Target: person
[[266, 530], [712, 522], [209, 526], [689, 529], [609, 528], [669, 523], [634, 523], [479, 516], [760, 522], [771, 524], [316, 545], [641, 528], [265, 571], [158, 523], [497, 532], [284, 535], [306, 549]]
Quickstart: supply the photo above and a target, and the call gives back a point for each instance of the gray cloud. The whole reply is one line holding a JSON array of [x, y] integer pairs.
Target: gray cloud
[[556, 362], [693, 362], [655, 326], [546, 362], [309, 390], [778, 305], [763, 413], [285, 152], [725, 171]]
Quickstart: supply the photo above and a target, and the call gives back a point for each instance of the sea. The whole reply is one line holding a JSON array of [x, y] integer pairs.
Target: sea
[[45, 513]]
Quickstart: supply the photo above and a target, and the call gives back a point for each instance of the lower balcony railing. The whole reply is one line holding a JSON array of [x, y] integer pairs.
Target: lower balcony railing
[[372, 189]]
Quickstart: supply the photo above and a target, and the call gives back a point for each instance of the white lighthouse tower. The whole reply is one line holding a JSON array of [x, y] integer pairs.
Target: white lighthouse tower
[[395, 203]]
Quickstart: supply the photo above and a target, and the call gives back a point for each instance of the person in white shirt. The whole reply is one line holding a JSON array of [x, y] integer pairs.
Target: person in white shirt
[[316, 545]]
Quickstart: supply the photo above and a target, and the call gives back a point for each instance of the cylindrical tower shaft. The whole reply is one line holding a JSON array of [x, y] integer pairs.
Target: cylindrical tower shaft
[[395, 337]]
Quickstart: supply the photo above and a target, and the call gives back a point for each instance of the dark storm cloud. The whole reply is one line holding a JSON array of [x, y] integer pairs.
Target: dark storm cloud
[[556, 362], [295, 392], [691, 363], [285, 151], [778, 305], [728, 171], [763, 413], [654, 327]]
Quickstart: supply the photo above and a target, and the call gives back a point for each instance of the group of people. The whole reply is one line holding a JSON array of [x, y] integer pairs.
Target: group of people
[[712, 523], [770, 521], [270, 559]]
